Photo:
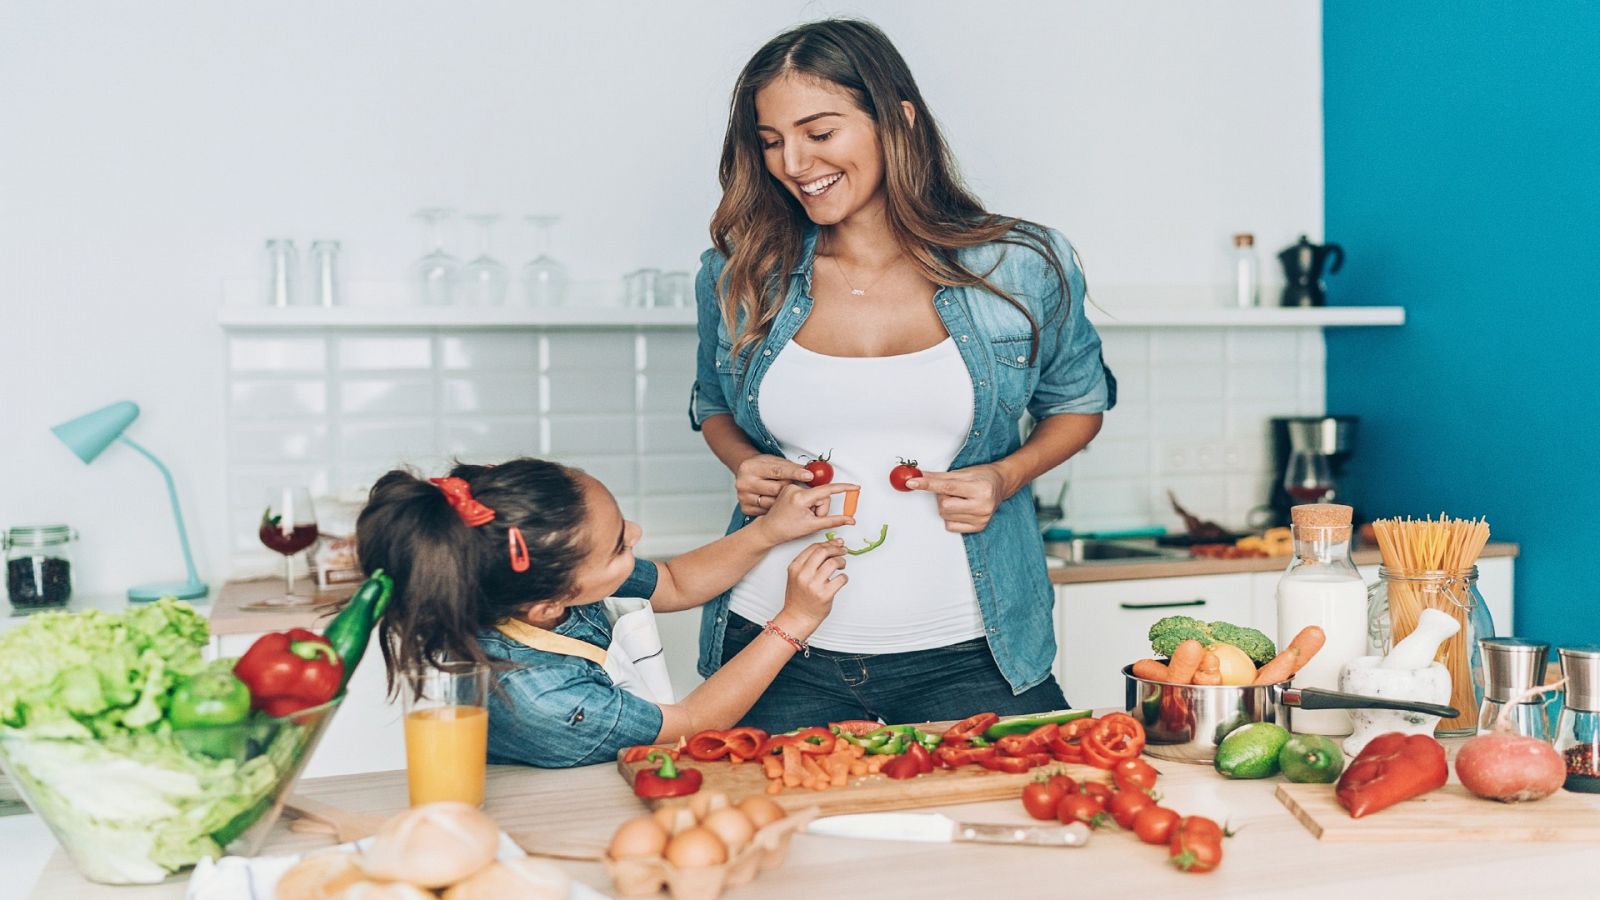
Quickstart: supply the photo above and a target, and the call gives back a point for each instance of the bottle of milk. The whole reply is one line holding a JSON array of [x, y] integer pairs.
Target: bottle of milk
[[1322, 587]]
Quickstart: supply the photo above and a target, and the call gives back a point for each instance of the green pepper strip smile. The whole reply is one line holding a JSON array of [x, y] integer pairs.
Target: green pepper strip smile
[[883, 535]]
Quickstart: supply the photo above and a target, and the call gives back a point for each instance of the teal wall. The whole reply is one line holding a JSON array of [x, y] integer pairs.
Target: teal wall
[[1463, 180]]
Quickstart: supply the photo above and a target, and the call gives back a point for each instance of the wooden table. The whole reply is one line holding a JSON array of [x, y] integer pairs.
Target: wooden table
[[1272, 855]]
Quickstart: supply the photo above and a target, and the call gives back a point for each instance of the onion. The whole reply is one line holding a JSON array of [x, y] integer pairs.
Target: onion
[[1509, 767]]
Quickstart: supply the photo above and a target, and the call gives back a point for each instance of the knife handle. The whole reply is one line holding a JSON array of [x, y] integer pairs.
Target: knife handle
[[1073, 835]]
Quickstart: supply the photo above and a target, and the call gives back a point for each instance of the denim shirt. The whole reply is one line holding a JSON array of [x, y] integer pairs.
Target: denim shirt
[[557, 711], [1067, 375]]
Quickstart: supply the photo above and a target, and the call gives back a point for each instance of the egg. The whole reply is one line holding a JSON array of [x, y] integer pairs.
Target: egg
[[674, 819], [762, 811], [641, 837], [696, 848], [706, 801], [732, 826]]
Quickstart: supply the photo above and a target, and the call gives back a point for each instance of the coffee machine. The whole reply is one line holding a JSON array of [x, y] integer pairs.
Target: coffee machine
[[1330, 437]]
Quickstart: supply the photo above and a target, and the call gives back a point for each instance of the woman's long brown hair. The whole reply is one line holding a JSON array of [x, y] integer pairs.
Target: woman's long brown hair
[[760, 227]]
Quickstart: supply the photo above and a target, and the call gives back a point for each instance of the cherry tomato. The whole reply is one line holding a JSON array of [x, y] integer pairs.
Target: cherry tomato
[[1081, 808], [1099, 791], [1134, 774], [1195, 845], [1154, 824], [1125, 805], [1040, 799], [899, 475], [1064, 783], [821, 470]]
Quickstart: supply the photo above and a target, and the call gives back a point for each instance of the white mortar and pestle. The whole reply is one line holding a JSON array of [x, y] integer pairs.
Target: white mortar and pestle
[[1409, 672]]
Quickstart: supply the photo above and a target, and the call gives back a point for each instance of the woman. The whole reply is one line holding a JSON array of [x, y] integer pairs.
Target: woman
[[860, 304]]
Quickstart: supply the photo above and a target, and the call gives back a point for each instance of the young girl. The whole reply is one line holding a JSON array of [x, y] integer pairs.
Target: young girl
[[509, 565]]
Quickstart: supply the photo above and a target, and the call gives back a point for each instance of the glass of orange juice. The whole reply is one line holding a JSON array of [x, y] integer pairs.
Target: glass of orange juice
[[447, 732]]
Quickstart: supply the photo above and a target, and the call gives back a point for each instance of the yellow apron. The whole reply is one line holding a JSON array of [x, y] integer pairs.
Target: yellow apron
[[634, 660]]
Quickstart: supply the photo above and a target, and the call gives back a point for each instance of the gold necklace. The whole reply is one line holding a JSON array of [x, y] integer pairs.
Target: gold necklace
[[862, 292]]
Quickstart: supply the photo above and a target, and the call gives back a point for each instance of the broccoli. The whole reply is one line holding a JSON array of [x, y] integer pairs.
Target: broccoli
[[1166, 634]]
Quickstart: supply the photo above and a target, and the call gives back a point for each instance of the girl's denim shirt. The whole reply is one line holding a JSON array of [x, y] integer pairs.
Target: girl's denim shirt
[[1066, 375]]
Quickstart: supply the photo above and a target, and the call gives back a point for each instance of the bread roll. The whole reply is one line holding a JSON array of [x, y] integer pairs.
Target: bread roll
[[432, 846], [380, 890], [514, 879], [320, 876]]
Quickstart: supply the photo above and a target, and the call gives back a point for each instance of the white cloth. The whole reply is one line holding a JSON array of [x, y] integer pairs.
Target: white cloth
[[915, 592], [635, 659]]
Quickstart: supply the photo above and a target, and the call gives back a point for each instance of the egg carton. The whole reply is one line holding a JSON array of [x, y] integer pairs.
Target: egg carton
[[768, 848]]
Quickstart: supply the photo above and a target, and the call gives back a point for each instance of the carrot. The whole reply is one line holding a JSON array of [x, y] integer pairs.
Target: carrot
[[850, 500], [775, 787], [1185, 662], [1152, 670], [817, 778], [1210, 671], [876, 763], [793, 771], [1300, 650], [1309, 641], [772, 766], [857, 767]]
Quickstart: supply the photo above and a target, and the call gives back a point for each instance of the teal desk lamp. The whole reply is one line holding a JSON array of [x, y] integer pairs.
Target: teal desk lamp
[[88, 436]]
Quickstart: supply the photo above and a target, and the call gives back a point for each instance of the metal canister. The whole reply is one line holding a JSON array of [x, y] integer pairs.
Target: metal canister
[[1578, 729], [1511, 667]]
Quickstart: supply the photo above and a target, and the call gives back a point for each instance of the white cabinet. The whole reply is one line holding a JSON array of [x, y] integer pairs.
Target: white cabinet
[[366, 734], [1103, 626], [1494, 583]]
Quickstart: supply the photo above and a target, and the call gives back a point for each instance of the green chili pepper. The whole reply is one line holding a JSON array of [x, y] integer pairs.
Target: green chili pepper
[[979, 740], [883, 534], [1023, 726], [350, 631]]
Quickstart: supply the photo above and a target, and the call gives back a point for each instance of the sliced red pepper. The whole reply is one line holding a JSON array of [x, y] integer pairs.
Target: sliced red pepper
[[970, 727], [1011, 765], [806, 740], [1067, 745], [745, 743], [708, 746], [1014, 745], [903, 767], [855, 727], [1043, 735], [641, 752], [957, 756], [918, 753], [1118, 736]]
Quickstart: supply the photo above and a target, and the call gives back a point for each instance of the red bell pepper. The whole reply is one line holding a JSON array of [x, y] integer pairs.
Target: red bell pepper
[[641, 752], [708, 746], [745, 743], [289, 671], [666, 780], [1392, 768], [904, 766]]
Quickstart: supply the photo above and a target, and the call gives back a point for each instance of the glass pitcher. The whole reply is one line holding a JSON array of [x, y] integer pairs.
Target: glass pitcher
[[1395, 603]]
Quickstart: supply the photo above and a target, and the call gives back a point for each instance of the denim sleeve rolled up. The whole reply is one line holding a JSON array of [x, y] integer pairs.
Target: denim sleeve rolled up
[[1064, 375]]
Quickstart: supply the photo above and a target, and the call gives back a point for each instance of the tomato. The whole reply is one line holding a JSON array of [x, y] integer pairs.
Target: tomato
[[1195, 845], [1040, 799], [1081, 808], [1064, 783], [970, 727], [1099, 791], [899, 475], [1125, 805], [1134, 775], [821, 470], [1154, 824]]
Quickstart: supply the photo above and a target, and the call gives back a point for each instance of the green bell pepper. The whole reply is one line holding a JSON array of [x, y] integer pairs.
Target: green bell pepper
[[204, 710], [1024, 725]]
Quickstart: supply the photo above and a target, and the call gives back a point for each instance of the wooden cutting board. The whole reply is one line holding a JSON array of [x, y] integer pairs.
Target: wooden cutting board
[[1447, 814], [870, 793]]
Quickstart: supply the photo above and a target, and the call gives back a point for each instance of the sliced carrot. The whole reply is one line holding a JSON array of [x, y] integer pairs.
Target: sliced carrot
[[793, 771], [851, 498], [772, 765], [819, 777], [858, 767], [876, 763], [774, 787]]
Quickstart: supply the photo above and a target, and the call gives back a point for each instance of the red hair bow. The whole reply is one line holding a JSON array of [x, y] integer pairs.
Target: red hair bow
[[459, 493]]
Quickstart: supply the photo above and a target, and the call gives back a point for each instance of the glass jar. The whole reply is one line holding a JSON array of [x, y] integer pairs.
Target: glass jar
[[39, 565], [1393, 606], [1321, 587], [1578, 729]]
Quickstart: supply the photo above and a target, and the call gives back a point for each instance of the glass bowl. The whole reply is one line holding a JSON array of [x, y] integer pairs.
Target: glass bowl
[[135, 808]]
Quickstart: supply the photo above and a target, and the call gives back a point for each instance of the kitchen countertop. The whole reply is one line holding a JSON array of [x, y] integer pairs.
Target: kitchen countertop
[[1271, 854], [1134, 569], [229, 617]]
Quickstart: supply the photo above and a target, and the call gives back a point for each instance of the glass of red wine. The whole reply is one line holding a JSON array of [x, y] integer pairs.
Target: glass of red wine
[[1308, 478], [288, 526]]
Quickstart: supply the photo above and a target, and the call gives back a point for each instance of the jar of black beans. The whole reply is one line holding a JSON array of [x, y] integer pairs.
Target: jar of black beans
[[39, 565]]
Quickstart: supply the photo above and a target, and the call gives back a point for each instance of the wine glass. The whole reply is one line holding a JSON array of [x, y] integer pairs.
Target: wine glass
[[288, 526], [436, 273], [1308, 478], [485, 277], [544, 281]]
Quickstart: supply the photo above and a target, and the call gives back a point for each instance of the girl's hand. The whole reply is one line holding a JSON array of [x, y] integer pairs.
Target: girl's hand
[[814, 579], [759, 479], [798, 512], [967, 497]]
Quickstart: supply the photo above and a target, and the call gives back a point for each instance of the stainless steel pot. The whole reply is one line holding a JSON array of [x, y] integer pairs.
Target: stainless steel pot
[[1186, 722]]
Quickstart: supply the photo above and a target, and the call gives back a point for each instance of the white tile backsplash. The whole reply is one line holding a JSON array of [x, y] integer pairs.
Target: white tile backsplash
[[337, 411]]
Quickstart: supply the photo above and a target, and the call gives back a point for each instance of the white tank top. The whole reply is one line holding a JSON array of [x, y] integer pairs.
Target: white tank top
[[914, 592]]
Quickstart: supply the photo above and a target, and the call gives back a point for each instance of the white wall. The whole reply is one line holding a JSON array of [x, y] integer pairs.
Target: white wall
[[146, 152]]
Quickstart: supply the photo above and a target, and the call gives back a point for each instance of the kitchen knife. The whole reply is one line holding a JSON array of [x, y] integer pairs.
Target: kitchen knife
[[936, 828]]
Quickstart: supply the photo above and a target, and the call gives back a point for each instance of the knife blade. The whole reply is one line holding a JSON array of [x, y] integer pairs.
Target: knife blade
[[938, 828]]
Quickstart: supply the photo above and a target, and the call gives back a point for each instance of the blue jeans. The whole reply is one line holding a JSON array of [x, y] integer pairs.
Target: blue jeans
[[920, 686]]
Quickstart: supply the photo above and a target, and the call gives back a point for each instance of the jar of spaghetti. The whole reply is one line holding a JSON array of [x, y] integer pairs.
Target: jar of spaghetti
[[1396, 602]]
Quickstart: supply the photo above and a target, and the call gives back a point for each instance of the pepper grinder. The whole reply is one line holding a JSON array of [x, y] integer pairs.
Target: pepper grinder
[[1510, 667], [1578, 729]]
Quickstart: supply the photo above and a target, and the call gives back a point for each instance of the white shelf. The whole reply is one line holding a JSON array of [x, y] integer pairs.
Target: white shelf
[[260, 318]]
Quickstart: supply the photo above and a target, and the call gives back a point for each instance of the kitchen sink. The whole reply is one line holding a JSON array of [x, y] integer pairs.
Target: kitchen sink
[[1080, 551]]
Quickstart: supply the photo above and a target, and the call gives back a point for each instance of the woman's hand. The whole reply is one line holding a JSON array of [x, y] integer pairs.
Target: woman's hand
[[799, 512], [814, 579], [758, 480], [967, 497]]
